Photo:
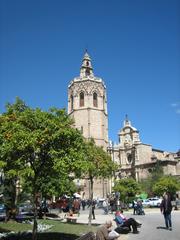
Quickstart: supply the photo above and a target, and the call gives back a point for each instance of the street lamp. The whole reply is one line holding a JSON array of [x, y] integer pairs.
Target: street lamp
[[117, 195], [110, 150], [133, 156]]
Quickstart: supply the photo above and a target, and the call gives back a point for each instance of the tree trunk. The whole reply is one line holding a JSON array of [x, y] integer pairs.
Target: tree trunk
[[35, 224], [91, 201]]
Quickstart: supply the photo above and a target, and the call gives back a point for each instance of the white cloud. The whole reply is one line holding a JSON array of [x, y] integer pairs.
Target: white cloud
[[175, 104], [176, 107]]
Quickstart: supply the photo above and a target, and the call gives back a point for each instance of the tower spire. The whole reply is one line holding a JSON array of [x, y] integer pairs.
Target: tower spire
[[126, 118], [86, 67], [127, 122]]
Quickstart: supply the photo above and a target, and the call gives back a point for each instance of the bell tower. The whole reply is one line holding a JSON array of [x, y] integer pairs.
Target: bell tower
[[87, 104]]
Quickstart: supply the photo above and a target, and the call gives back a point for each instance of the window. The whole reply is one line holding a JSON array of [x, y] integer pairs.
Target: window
[[95, 102], [81, 96], [129, 157], [72, 102], [104, 103], [87, 72]]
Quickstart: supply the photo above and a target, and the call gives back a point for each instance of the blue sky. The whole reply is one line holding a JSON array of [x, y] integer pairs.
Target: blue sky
[[134, 46]]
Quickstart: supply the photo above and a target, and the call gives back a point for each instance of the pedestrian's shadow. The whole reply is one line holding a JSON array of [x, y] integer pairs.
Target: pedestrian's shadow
[[160, 227]]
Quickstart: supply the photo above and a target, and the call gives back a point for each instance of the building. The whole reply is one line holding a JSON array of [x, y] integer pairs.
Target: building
[[87, 105], [138, 159]]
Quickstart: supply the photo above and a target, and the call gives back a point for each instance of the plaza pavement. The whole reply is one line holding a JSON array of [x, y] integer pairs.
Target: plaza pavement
[[101, 218], [152, 223]]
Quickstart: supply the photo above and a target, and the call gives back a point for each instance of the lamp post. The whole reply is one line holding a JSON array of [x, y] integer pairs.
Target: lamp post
[[117, 195], [133, 154], [110, 150], [113, 157]]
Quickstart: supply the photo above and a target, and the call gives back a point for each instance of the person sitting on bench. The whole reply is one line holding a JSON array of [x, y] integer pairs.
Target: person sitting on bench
[[70, 217], [122, 221], [103, 232]]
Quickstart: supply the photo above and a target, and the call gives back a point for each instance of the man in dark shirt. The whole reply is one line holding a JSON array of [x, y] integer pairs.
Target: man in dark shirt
[[166, 208]]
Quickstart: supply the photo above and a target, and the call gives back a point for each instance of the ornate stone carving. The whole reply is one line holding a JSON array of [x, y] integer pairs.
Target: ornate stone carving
[[88, 87]]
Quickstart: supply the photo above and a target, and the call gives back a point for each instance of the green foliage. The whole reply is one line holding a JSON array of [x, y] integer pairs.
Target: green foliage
[[98, 162], [166, 184], [40, 147], [148, 183], [9, 193], [128, 188]]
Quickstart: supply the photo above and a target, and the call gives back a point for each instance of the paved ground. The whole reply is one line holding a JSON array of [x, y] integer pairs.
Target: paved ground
[[154, 227], [101, 217], [152, 224]]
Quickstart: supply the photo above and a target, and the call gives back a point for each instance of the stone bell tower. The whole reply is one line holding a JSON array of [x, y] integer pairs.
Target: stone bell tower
[[87, 104]]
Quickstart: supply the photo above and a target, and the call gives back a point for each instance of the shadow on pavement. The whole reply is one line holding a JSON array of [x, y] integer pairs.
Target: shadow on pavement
[[160, 227]]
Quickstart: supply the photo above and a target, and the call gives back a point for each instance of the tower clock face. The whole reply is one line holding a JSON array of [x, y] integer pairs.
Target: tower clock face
[[128, 137]]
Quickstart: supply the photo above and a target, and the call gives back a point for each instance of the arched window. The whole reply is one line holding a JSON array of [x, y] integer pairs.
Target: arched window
[[129, 157], [72, 102], [87, 72], [95, 101], [104, 102], [81, 98]]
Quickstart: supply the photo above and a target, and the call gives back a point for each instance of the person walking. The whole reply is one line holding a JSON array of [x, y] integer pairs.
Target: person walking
[[83, 203], [93, 208], [105, 206], [166, 208], [134, 207]]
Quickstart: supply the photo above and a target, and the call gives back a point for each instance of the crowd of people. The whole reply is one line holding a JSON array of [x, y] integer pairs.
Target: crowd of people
[[123, 224], [138, 208], [106, 232]]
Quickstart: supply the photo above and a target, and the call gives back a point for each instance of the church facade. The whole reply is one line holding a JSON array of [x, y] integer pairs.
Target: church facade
[[87, 105], [138, 159]]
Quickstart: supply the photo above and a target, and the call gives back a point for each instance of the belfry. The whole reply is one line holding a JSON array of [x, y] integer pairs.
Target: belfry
[[87, 104]]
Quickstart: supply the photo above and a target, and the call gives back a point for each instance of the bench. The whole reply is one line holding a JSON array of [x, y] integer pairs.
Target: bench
[[71, 219]]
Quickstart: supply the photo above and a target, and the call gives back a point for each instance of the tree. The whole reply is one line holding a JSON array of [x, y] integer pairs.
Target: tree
[[9, 156], [98, 164], [128, 188], [39, 147], [166, 184], [155, 174]]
